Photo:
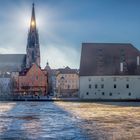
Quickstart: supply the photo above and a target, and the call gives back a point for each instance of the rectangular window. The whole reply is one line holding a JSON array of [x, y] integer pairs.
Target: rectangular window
[[89, 79], [102, 79], [96, 86], [102, 86], [115, 86], [89, 86], [114, 79], [127, 85], [127, 79], [103, 93]]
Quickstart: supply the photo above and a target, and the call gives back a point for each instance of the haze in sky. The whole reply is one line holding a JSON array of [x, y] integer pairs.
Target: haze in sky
[[64, 24]]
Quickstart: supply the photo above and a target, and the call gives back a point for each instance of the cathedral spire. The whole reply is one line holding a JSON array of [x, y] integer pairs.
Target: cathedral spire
[[33, 19], [33, 49]]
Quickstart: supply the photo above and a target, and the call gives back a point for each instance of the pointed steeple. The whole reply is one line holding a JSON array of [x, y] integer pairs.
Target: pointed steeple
[[33, 50], [33, 19]]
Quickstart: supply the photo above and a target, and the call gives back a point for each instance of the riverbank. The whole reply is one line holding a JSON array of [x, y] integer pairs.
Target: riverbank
[[77, 100]]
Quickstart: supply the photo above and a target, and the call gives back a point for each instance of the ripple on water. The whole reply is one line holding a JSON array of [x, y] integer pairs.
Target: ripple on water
[[37, 120]]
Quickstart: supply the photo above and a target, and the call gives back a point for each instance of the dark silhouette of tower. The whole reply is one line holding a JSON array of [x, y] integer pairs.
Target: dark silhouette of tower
[[33, 49]]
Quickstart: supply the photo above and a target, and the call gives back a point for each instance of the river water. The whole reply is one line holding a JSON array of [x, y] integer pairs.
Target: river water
[[69, 121], [37, 121]]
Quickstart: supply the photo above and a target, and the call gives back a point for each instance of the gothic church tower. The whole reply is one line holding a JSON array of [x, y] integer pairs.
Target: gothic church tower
[[33, 50]]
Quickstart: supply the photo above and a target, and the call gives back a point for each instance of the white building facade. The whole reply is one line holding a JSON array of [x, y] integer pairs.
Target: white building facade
[[110, 87], [109, 72]]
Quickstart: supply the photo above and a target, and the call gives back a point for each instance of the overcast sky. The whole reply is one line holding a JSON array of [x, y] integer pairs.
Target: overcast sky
[[64, 24]]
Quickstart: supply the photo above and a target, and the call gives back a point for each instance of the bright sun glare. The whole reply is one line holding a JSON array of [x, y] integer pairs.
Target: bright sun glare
[[33, 23], [25, 20]]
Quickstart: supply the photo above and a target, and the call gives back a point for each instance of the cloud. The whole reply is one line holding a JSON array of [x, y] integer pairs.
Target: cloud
[[14, 29], [8, 50], [60, 56]]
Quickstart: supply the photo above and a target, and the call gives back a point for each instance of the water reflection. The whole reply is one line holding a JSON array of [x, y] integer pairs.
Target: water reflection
[[5, 106], [69, 120], [107, 120], [37, 121], [4, 120]]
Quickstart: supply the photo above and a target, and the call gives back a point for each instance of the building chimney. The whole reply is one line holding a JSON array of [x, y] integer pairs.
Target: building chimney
[[138, 60], [121, 67]]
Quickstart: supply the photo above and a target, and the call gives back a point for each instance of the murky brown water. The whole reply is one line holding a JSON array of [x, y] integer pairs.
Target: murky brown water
[[69, 121], [107, 120]]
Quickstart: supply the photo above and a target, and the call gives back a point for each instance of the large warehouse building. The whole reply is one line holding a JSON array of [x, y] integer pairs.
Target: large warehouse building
[[109, 71]]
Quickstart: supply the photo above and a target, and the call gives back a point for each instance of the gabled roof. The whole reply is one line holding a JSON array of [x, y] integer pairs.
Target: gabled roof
[[67, 70], [25, 71], [105, 59]]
